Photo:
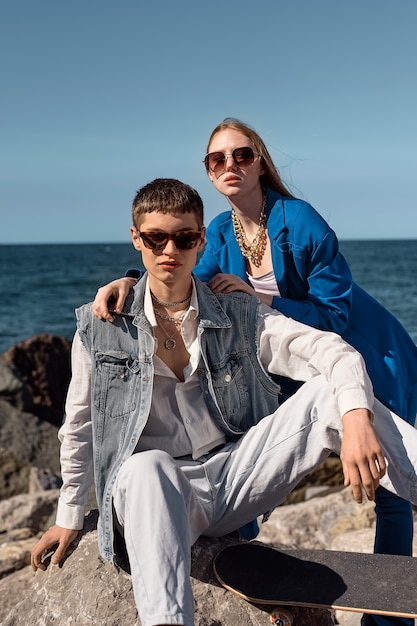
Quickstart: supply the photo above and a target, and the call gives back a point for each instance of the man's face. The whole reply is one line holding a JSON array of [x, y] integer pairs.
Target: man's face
[[170, 264]]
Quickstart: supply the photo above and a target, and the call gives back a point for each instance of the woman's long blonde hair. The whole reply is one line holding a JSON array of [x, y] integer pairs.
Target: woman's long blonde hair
[[270, 178]]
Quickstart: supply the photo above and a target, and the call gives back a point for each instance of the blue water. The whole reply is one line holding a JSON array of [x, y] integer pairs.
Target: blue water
[[42, 284]]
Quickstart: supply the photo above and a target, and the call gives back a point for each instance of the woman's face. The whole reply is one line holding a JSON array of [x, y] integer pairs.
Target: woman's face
[[234, 180]]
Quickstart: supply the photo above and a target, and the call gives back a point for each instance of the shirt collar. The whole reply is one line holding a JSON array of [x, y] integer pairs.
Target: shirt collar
[[191, 314]]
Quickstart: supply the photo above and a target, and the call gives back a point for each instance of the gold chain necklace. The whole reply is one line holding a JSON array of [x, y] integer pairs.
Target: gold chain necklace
[[253, 251]]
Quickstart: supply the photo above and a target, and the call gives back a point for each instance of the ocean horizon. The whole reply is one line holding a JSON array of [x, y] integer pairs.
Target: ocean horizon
[[42, 284]]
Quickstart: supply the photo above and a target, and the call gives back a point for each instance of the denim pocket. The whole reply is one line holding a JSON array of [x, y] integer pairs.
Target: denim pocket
[[231, 391], [116, 384]]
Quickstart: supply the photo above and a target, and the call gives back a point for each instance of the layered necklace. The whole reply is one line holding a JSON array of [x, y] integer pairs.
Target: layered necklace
[[170, 342], [253, 251]]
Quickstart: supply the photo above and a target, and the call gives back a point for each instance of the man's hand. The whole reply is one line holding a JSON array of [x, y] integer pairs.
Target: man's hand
[[361, 454], [118, 289], [55, 536]]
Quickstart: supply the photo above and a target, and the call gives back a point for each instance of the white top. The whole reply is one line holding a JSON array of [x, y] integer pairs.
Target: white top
[[265, 284]]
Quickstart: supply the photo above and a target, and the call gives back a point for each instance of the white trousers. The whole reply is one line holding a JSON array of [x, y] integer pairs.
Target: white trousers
[[164, 504]]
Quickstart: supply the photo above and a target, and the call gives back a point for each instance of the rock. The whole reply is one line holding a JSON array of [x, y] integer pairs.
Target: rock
[[13, 389], [43, 363], [88, 591], [315, 523], [29, 446], [361, 540], [34, 376], [329, 474], [35, 512], [15, 553], [21, 518], [26, 441], [42, 479]]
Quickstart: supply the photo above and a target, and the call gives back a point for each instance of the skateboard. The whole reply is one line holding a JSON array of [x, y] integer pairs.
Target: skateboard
[[380, 584]]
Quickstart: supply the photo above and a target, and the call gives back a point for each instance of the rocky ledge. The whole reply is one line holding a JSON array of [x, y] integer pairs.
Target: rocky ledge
[[87, 591]]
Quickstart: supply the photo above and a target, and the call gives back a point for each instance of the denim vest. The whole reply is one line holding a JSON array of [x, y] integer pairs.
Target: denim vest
[[237, 389]]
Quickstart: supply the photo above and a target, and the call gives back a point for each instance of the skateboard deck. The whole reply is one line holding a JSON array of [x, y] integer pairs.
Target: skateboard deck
[[347, 581]]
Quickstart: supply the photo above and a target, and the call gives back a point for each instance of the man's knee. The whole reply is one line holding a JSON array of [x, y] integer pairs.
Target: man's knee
[[144, 465]]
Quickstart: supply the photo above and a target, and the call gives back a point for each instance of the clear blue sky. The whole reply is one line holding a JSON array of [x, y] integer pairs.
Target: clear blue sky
[[99, 97]]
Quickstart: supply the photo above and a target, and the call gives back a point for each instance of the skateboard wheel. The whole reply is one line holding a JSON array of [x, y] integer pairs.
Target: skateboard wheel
[[281, 617]]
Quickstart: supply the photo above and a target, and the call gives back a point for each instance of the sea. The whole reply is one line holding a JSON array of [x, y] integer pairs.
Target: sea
[[41, 285]]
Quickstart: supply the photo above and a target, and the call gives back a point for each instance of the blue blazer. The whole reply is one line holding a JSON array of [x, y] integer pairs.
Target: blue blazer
[[316, 288]]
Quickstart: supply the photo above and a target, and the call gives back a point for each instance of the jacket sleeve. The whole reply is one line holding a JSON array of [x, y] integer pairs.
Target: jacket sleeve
[[75, 436], [317, 279], [328, 301], [291, 349]]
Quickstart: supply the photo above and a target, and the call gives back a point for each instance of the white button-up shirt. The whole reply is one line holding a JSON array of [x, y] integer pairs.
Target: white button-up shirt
[[179, 422]]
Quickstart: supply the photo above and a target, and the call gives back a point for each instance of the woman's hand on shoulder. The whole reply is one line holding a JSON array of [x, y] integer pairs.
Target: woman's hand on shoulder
[[118, 290], [226, 283]]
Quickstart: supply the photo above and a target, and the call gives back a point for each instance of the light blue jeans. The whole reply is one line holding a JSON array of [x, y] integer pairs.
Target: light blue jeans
[[165, 504]]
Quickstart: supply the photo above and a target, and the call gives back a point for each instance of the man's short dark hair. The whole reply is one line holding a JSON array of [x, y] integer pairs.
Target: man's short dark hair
[[167, 195]]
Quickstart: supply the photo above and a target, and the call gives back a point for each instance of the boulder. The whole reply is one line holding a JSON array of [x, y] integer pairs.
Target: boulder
[[87, 591], [314, 524], [43, 363], [34, 512], [26, 441], [13, 389], [34, 376]]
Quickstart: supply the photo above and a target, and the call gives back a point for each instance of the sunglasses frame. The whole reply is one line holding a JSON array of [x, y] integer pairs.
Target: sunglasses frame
[[147, 235], [222, 164]]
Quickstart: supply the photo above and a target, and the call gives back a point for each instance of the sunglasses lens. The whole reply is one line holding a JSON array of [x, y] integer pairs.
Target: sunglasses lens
[[243, 156], [215, 161], [186, 241], [154, 241], [158, 240]]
